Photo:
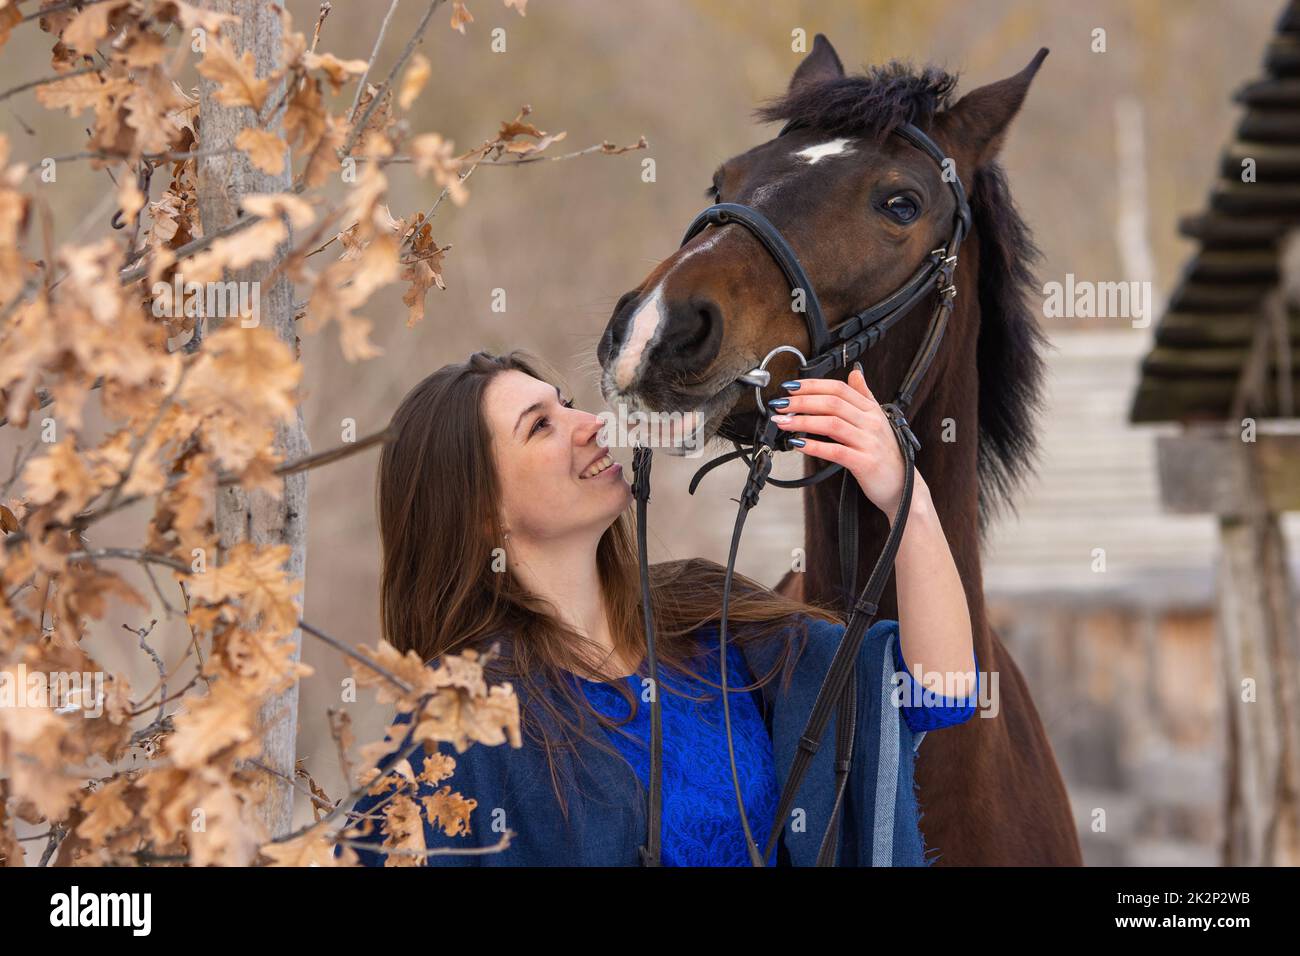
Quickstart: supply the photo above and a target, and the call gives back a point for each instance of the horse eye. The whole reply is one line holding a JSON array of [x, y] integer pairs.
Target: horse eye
[[902, 208]]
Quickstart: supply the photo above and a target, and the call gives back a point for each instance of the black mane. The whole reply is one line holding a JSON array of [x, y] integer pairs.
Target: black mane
[[868, 104], [1009, 350]]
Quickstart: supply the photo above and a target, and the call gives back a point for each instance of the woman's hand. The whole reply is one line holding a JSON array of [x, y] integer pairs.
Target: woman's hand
[[850, 414]]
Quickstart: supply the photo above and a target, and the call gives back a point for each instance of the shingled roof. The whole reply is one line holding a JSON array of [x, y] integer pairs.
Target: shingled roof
[[1203, 341]]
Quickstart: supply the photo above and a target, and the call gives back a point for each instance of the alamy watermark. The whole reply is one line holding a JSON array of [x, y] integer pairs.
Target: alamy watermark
[[178, 298], [1083, 299], [64, 692], [681, 433], [130, 910], [912, 690]]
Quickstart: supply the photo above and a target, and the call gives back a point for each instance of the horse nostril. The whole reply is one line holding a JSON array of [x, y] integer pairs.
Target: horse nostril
[[616, 329], [623, 300], [695, 330], [708, 316]]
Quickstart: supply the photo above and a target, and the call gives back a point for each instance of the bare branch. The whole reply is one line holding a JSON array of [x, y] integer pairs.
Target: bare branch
[[361, 83], [317, 459], [131, 554], [58, 7], [342, 648], [411, 44]]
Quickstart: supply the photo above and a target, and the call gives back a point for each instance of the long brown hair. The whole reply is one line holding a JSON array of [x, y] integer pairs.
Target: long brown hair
[[441, 590]]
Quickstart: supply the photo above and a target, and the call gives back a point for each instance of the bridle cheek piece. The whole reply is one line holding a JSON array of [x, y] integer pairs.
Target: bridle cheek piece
[[832, 350]]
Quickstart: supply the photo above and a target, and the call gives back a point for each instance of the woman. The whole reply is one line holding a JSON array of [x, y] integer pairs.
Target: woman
[[490, 461]]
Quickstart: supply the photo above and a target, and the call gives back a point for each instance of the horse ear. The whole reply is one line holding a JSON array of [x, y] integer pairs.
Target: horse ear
[[979, 120], [823, 63]]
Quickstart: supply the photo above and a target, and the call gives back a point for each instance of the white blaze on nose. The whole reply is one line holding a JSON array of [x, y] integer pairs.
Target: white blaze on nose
[[834, 148], [644, 325]]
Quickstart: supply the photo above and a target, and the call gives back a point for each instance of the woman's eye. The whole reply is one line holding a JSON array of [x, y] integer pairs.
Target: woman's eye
[[545, 422], [902, 208]]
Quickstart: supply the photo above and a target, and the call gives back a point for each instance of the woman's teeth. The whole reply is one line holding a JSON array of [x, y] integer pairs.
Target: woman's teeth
[[597, 468]]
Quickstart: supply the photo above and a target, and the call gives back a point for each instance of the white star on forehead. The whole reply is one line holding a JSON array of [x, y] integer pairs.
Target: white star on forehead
[[834, 148]]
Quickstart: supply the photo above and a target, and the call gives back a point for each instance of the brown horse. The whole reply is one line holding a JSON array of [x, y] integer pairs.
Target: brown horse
[[861, 209]]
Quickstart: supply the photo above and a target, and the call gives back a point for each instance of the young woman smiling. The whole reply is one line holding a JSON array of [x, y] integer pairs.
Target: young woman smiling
[[489, 454]]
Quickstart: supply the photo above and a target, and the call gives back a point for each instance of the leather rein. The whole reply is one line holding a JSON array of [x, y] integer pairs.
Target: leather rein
[[833, 350]]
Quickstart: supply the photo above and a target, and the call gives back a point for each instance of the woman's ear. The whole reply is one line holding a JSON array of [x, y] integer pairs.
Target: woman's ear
[[976, 125]]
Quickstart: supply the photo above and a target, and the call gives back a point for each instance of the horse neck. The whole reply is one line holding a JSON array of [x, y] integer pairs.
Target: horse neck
[[950, 470]]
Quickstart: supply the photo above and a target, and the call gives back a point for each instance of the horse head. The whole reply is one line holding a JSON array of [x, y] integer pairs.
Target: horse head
[[860, 208]]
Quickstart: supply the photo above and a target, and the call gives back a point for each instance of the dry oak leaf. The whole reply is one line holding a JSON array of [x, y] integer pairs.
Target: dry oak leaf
[[62, 474], [265, 663], [247, 378], [304, 120], [449, 810], [9, 18], [422, 274], [232, 834], [323, 160], [431, 153], [523, 147], [189, 16], [108, 810], [255, 243], [151, 110], [344, 286], [145, 50], [92, 278], [413, 81], [408, 668], [11, 851], [313, 848], [170, 798], [462, 719], [266, 151], [236, 74], [84, 91], [90, 26], [293, 44], [44, 785], [164, 216], [130, 199], [253, 578], [403, 830], [438, 766], [460, 16], [336, 71], [268, 205], [208, 725]]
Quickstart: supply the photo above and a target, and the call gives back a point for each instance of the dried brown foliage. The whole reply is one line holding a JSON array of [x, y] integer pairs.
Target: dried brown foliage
[[94, 321]]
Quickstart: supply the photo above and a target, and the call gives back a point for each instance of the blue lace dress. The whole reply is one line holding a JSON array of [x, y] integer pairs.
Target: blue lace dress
[[700, 818]]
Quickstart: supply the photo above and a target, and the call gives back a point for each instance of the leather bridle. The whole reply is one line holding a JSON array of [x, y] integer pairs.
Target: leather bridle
[[833, 350]]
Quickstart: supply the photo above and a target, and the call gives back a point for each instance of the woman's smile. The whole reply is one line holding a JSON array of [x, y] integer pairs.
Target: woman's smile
[[604, 465]]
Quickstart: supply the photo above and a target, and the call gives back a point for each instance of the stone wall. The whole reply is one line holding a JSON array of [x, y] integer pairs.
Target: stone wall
[[1133, 704]]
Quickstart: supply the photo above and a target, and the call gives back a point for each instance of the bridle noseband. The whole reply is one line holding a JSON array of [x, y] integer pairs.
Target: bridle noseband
[[833, 350]]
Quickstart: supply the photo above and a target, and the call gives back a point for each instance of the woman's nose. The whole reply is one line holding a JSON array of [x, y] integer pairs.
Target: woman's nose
[[586, 428]]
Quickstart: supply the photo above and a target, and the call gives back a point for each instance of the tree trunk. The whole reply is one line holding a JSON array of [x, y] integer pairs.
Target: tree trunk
[[224, 180], [1258, 635]]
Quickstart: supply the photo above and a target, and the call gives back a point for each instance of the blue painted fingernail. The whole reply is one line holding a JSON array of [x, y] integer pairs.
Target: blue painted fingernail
[[790, 386], [797, 442], [778, 402]]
